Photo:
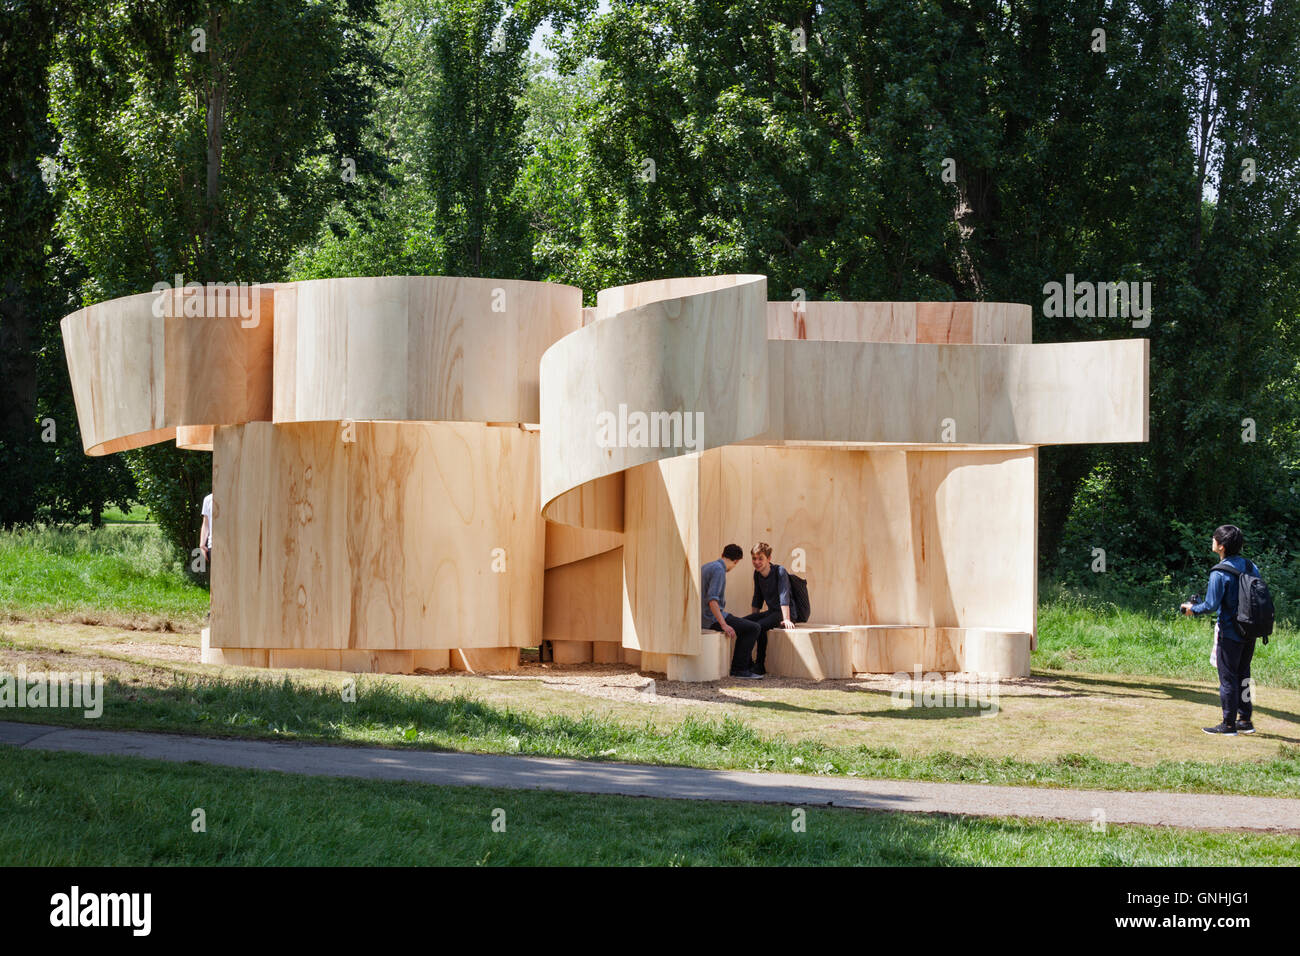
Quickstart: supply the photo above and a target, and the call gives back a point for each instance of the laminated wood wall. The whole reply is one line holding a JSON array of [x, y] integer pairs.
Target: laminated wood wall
[[581, 603], [416, 348], [144, 365], [396, 508], [869, 392], [942, 538], [907, 323], [661, 557], [701, 349], [581, 600], [409, 536]]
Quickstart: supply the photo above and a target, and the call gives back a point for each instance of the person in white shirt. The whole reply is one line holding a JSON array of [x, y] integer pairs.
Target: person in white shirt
[[205, 533]]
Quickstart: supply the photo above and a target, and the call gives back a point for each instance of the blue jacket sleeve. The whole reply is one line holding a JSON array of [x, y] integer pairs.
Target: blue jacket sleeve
[[783, 585], [715, 583], [1213, 593]]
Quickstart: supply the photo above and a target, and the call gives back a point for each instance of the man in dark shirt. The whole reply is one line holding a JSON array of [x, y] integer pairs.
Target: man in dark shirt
[[771, 587], [1235, 652], [713, 589]]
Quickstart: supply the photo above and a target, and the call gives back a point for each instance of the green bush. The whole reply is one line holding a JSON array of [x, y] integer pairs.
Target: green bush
[[171, 483], [1153, 565]]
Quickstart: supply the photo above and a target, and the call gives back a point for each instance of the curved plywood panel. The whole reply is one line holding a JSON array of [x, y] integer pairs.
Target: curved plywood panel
[[376, 536], [810, 653], [194, 437], [144, 365], [597, 505], [566, 544], [668, 368], [853, 374], [909, 323], [416, 348], [868, 393], [582, 602], [1001, 653], [582, 606], [882, 536], [622, 298]]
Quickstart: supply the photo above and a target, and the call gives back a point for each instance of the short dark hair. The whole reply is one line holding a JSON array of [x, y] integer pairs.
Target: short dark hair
[[732, 552], [1230, 536]]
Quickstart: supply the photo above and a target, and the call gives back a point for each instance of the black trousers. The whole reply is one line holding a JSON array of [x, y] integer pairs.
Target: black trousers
[[746, 634], [766, 620], [1234, 671]]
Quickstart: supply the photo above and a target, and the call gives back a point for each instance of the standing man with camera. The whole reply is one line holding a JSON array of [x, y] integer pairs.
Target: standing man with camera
[[1223, 593]]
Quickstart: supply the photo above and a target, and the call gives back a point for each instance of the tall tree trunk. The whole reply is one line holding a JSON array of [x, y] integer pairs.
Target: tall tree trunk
[[216, 93]]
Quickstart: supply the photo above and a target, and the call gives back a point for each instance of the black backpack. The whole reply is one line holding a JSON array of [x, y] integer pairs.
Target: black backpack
[[1254, 603], [799, 606]]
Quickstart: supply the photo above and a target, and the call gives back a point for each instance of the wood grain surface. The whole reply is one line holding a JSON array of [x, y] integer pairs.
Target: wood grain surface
[[408, 536], [416, 348], [144, 365]]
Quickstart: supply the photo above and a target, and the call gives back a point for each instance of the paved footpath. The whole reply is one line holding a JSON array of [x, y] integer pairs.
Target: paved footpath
[[1196, 810]]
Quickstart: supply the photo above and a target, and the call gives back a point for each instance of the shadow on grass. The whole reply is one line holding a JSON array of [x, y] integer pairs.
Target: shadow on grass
[[934, 712], [379, 712], [1176, 690], [708, 692], [385, 713]]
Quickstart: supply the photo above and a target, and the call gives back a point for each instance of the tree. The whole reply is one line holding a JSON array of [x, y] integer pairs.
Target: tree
[[808, 141], [456, 125], [206, 140], [47, 477]]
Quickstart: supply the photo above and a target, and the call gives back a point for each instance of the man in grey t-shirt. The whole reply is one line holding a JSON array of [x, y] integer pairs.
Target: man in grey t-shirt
[[713, 588]]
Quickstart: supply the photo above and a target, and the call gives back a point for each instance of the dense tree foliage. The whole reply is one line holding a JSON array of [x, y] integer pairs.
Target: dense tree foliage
[[46, 474], [851, 149], [204, 140], [816, 157], [457, 139]]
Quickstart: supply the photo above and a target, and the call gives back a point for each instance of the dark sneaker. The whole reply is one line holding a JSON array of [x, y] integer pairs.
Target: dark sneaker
[[1227, 730], [745, 675], [1245, 727], [758, 669]]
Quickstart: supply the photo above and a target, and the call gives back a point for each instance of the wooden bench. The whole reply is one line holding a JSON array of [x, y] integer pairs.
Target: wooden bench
[[838, 651], [906, 649], [810, 652]]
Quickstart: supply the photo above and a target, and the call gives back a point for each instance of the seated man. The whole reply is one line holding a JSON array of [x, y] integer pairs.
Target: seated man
[[712, 590], [771, 587]]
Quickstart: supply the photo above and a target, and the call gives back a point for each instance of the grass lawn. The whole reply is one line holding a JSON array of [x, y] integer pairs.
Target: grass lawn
[[1117, 699], [138, 514], [1060, 731], [121, 574], [1079, 633], [72, 809]]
